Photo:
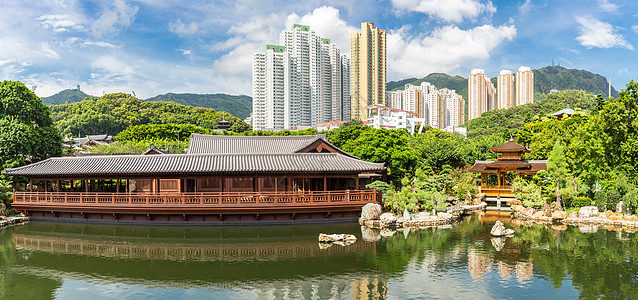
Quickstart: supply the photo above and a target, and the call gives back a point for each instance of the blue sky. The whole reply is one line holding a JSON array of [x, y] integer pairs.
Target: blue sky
[[156, 46]]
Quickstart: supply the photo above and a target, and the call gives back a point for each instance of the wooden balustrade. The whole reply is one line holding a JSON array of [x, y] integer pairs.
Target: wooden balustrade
[[194, 199]]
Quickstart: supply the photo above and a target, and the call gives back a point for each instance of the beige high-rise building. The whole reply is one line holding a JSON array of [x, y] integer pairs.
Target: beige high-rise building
[[524, 86], [477, 94], [412, 98], [368, 69], [505, 90]]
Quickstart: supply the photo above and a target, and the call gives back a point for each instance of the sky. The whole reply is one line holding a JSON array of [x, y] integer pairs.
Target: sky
[[151, 47]]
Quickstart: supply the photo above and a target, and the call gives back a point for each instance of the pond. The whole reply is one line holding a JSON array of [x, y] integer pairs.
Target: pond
[[46, 260]]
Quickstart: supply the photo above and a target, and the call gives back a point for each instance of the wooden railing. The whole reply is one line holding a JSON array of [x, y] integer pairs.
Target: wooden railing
[[497, 190], [193, 199]]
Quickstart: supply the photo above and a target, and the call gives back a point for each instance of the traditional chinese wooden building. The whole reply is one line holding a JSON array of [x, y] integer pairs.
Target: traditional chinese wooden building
[[220, 180], [494, 179]]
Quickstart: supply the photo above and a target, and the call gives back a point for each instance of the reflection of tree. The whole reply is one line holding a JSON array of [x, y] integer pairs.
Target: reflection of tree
[[370, 288], [598, 264], [20, 286]]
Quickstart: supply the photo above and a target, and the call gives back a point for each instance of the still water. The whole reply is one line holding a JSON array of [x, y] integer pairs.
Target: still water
[[44, 260]]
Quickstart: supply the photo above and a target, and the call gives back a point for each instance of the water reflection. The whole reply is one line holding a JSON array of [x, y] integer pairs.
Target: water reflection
[[286, 262]]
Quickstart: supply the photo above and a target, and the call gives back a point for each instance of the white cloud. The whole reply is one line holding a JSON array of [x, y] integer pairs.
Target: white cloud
[[61, 23], [595, 33], [99, 44], [180, 28], [121, 15], [635, 28], [451, 11], [444, 50], [607, 6], [327, 23], [47, 51], [185, 51], [526, 7]]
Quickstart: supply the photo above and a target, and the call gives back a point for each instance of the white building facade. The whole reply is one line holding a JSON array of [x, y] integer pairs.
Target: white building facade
[[306, 83]]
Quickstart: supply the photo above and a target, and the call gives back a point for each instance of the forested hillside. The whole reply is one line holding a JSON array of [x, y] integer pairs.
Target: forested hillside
[[239, 106], [508, 121], [112, 113], [66, 96]]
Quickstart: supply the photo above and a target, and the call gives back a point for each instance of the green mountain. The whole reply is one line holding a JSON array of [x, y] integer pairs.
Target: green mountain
[[545, 79], [561, 78], [239, 106], [398, 85], [113, 113], [66, 96]]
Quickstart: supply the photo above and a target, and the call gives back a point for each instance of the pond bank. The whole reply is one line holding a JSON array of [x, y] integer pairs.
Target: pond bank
[[10, 221], [417, 220], [587, 216]]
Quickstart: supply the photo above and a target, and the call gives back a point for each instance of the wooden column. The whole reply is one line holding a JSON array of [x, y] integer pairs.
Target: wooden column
[[325, 183], [30, 185], [57, 185]]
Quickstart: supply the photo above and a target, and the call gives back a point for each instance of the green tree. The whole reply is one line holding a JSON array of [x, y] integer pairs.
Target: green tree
[[27, 132], [557, 168]]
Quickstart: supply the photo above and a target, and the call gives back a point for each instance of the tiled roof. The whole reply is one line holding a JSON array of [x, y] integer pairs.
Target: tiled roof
[[522, 165], [567, 111], [201, 144], [176, 164], [510, 146]]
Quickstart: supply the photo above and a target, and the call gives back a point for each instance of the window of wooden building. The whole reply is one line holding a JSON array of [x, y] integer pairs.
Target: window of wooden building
[[211, 184], [168, 185], [239, 184]]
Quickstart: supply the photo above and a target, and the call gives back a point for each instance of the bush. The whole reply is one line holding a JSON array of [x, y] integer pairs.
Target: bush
[[527, 192], [607, 200], [580, 202]]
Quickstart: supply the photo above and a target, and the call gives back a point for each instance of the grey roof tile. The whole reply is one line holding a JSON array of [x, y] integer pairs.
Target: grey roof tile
[[177, 164]]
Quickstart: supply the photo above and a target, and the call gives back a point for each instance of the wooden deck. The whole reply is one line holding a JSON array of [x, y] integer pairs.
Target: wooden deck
[[189, 204]]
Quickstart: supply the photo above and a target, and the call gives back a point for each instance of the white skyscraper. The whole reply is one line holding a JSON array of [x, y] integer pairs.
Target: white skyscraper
[[394, 99], [412, 100], [314, 88]]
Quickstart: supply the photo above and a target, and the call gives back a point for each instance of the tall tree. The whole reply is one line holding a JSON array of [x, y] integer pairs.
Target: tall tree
[[557, 168]]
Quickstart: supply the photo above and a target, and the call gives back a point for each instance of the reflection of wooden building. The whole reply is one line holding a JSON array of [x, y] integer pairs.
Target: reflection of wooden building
[[494, 179], [222, 179]]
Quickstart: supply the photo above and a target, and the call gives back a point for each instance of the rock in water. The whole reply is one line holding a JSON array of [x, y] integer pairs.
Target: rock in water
[[388, 218], [499, 230], [331, 238], [559, 215], [371, 211], [588, 212], [406, 215], [530, 211], [517, 208]]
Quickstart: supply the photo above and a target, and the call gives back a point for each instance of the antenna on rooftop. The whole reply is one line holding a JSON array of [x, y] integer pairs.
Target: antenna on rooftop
[[33, 88], [78, 88], [133, 93]]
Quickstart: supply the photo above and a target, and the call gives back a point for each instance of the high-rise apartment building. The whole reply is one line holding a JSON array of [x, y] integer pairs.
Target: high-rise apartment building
[[394, 99], [270, 88], [412, 99], [477, 93], [505, 90], [368, 69], [303, 82], [524, 86]]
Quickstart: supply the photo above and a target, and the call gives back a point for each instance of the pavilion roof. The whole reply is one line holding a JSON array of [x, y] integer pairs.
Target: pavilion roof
[[510, 146], [532, 166], [195, 164]]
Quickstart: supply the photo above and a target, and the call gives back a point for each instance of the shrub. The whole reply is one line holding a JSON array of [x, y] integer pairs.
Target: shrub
[[527, 192], [580, 202], [607, 200]]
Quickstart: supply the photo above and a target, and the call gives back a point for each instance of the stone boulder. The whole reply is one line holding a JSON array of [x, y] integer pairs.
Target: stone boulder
[[517, 208], [331, 238], [499, 230], [588, 212], [538, 215], [514, 202], [406, 215], [573, 215], [529, 211], [444, 215], [559, 215], [388, 218], [371, 211], [456, 209], [421, 216]]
